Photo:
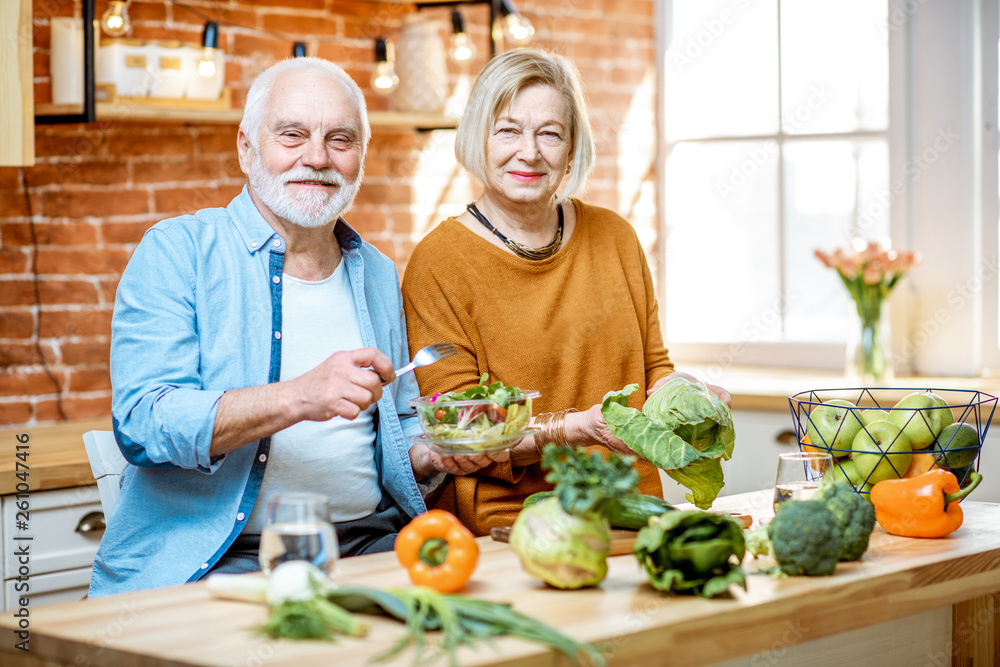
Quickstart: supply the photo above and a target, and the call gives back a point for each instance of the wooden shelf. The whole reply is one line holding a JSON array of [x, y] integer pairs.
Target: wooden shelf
[[126, 113]]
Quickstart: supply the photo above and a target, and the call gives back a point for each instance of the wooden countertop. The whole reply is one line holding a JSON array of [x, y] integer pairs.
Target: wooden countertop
[[56, 456], [768, 389], [897, 577]]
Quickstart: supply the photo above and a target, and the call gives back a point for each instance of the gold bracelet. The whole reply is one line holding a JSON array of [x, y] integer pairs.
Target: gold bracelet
[[553, 428]]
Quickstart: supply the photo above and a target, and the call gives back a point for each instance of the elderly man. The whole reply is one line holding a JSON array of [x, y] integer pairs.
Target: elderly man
[[253, 350]]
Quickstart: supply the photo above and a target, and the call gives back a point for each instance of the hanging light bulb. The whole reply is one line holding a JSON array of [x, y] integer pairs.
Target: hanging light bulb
[[462, 48], [517, 28], [115, 21], [299, 50], [210, 42], [384, 79]]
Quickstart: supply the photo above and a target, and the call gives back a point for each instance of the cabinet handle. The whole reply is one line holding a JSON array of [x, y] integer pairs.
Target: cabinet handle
[[92, 522], [787, 438]]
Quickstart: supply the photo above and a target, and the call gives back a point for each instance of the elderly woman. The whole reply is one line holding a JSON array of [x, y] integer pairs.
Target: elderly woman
[[537, 289]]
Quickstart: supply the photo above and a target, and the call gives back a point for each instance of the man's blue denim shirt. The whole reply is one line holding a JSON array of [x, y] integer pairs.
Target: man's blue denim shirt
[[198, 312]]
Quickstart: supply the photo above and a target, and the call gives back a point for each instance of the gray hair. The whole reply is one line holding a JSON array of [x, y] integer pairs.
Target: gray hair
[[259, 95], [499, 82]]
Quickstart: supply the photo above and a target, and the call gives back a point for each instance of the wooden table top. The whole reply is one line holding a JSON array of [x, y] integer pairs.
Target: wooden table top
[[56, 456], [897, 577]]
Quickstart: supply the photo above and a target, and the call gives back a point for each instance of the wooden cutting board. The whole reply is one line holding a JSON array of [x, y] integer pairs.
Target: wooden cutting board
[[622, 540]]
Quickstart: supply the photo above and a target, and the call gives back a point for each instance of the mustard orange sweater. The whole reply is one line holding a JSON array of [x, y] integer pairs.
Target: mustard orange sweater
[[573, 327]]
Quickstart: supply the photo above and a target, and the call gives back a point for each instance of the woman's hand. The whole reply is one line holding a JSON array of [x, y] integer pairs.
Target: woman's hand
[[589, 428], [426, 462], [715, 389]]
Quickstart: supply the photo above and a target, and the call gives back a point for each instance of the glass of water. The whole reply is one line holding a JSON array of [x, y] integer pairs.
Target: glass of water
[[297, 527], [799, 475]]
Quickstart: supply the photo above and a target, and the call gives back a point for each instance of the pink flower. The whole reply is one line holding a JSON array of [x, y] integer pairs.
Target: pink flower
[[869, 264], [872, 274]]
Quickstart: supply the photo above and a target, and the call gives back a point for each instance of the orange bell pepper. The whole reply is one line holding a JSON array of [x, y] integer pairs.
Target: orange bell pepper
[[438, 551], [921, 506]]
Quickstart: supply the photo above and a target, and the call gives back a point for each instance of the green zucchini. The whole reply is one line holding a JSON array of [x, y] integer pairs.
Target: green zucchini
[[630, 511]]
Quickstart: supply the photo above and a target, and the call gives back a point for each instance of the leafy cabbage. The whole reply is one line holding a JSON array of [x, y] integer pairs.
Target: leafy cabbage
[[692, 552], [683, 428]]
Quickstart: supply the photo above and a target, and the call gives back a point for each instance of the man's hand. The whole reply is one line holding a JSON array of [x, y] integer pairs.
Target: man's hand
[[344, 385]]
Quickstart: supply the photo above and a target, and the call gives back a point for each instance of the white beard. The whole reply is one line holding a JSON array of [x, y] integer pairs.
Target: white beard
[[308, 209]]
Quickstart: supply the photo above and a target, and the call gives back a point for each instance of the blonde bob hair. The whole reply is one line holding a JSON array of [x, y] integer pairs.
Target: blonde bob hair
[[500, 81], [259, 95]]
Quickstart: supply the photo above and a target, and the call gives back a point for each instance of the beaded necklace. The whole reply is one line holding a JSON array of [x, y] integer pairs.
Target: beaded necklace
[[519, 249]]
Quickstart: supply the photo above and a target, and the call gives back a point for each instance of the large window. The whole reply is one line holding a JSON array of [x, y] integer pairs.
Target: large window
[[775, 118]]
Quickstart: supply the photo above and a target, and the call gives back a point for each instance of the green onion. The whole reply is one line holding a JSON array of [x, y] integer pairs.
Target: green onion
[[316, 618], [462, 621]]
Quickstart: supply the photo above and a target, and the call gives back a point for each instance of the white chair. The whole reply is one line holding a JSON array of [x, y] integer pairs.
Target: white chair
[[107, 463]]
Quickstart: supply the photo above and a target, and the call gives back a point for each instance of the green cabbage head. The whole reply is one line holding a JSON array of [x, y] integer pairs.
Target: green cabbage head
[[684, 428], [562, 549]]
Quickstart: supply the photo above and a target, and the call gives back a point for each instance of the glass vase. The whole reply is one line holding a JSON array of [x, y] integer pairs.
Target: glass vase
[[869, 360]]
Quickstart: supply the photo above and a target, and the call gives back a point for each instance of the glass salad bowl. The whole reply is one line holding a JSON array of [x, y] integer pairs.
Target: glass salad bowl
[[482, 419]]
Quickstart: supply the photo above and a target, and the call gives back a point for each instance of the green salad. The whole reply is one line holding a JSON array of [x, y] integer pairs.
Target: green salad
[[486, 412]]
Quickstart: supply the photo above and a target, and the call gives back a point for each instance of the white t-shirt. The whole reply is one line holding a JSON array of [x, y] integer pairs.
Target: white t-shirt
[[335, 458]]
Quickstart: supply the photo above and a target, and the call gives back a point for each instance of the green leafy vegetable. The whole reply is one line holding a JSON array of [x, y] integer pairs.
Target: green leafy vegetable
[[565, 540], [296, 594], [692, 552], [684, 428], [757, 541], [316, 618], [461, 620], [481, 414], [584, 480]]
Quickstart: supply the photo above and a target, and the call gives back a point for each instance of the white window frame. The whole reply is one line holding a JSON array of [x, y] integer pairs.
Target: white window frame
[[942, 83]]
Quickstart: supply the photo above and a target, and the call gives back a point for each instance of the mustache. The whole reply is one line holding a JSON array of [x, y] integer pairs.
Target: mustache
[[328, 176]]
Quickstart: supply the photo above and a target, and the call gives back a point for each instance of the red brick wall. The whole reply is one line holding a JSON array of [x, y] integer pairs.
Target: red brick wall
[[96, 188]]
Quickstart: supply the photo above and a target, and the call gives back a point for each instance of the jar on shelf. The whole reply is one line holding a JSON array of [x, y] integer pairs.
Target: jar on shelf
[[421, 64], [169, 75], [126, 63]]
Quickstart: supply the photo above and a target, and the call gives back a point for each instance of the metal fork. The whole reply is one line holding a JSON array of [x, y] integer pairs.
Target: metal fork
[[426, 356]]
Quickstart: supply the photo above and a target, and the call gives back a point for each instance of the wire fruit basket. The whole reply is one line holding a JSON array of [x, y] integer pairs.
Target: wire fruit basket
[[875, 434]]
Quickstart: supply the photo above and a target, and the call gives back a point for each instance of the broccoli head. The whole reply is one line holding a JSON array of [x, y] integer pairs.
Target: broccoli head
[[805, 538], [855, 516]]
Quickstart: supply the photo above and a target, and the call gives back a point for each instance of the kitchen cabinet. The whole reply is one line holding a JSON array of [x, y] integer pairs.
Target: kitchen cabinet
[[17, 123], [65, 527], [988, 490]]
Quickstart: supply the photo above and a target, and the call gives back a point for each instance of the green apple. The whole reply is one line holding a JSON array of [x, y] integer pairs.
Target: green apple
[[833, 425], [960, 444], [844, 470], [873, 415], [921, 416], [881, 451]]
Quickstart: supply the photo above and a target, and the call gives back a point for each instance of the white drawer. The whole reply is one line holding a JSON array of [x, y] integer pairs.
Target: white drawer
[[53, 521], [68, 586]]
